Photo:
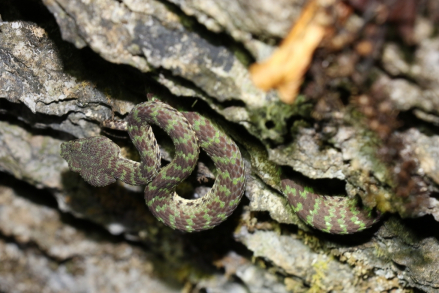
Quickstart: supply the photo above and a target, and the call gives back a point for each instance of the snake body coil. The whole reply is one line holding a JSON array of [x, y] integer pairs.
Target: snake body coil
[[98, 161]]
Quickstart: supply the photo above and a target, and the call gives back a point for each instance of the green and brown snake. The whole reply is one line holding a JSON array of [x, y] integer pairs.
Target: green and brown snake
[[98, 161]]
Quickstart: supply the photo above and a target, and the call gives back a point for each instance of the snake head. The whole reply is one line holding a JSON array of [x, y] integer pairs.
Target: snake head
[[94, 158]]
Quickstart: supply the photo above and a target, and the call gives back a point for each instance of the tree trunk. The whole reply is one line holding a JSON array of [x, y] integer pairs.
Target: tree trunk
[[364, 125]]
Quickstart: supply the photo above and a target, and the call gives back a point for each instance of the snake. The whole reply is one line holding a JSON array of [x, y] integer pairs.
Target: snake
[[99, 162]]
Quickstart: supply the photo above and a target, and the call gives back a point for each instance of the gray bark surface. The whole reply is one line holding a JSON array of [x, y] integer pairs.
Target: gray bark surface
[[68, 65]]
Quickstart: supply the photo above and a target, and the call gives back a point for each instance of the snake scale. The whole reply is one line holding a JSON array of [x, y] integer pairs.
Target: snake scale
[[98, 161]]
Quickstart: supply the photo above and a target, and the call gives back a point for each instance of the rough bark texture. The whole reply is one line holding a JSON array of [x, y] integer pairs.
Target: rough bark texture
[[67, 65]]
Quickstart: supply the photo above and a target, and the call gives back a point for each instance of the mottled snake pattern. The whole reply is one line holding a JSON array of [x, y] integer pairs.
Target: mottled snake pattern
[[98, 161]]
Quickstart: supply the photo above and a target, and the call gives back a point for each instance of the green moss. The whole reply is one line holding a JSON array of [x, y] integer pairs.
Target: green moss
[[320, 268], [368, 151], [272, 120], [268, 171], [381, 253]]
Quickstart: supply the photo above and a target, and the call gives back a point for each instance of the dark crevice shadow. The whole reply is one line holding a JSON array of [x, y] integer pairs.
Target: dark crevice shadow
[[210, 245], [423, 227], [24, 10], [44, 197], [19, 113], [120, 81], [183, 101], [37, 196], [325, 186], [409, 120]]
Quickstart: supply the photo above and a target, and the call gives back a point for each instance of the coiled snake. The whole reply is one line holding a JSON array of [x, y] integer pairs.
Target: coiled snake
[[98, 161]]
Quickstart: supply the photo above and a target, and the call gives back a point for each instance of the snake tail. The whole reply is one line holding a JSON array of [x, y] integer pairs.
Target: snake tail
[[331, 214]]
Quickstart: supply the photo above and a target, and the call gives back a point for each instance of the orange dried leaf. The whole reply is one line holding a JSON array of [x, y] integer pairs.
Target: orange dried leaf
[[285, 69]]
